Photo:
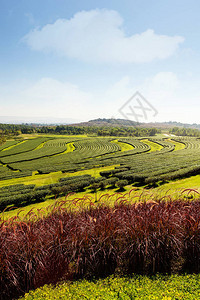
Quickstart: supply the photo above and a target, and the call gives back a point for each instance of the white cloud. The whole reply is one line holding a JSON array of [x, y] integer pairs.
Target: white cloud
[[98, 36], [176, 99], [45, 98], [162, 87], [173, 98]]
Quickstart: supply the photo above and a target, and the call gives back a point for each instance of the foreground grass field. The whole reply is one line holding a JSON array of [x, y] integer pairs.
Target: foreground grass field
[[160, 287]]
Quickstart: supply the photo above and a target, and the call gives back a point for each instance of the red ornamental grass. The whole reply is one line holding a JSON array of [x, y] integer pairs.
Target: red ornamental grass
[[146, 237]]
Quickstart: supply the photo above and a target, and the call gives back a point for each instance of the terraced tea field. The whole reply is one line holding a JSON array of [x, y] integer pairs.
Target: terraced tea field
[[139, 161], [46, 154]]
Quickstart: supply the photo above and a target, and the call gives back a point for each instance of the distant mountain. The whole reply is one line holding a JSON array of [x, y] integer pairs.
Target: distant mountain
[[129, 123], [108, 122]]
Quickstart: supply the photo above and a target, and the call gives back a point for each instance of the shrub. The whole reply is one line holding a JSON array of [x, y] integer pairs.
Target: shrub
[[106, 173], [121, 184], [94, 186], [112, 181]]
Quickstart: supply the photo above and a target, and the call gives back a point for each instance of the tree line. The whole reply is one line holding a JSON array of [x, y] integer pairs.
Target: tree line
[[185, 131], [11, 129]]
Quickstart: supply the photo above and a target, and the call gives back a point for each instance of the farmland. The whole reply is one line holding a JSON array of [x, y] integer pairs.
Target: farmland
[[105, 178], [69, 154], [142, 161], [33, 169]]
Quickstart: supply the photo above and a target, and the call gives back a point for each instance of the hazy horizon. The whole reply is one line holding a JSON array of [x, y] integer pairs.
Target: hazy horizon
[[64, 121]]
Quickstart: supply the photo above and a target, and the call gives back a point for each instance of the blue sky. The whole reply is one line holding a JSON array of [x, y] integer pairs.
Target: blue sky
[[80, 60]]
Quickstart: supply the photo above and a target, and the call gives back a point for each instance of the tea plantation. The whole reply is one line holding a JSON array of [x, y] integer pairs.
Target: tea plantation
[[44, 167]]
